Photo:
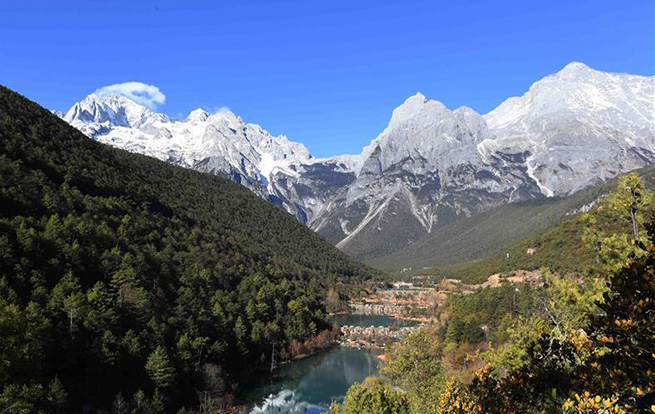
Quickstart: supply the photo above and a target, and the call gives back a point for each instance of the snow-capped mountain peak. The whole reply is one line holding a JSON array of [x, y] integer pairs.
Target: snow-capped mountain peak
[[114, 110], [221, 143], [89, 109], [574, 67], [595, 123], [425, 129], [570, 130], [415, 106], [199, 115]]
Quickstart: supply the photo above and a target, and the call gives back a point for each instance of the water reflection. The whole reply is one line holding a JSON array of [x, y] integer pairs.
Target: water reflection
[[309, 385]]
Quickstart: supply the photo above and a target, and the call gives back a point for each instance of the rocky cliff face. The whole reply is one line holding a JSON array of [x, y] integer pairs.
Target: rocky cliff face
[[429, 166], [423, 170], [580, 126]]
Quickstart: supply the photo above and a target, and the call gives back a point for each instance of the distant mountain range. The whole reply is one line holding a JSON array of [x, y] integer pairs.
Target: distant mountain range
[[430, 166]]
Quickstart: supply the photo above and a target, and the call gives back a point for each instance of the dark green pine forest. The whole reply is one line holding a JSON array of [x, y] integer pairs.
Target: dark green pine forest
[[126, 280]]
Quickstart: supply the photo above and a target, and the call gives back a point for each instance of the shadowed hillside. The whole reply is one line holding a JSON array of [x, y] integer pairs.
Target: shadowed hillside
[[119, 272]]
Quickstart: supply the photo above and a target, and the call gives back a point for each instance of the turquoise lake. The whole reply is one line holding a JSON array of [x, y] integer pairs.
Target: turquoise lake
[[311, 384]]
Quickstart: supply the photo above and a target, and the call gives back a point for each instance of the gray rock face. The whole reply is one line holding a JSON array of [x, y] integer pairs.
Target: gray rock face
[[580, 126], [428, 167], [424, 170]]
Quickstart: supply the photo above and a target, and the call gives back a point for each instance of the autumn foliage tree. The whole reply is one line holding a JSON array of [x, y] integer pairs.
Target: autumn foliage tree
[[456, 399], [625, 331], [607, 367], [628, 208]]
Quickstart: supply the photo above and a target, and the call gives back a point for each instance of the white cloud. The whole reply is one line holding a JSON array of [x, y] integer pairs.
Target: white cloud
[[147, 95], [222, 110]]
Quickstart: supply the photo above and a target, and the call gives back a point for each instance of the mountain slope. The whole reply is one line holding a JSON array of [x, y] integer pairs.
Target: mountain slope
[[431, 166], [423, 172], [475, 247], [120, 272]]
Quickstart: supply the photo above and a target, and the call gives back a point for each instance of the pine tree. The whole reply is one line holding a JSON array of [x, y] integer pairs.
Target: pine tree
[[241, 333], [631, 200], [57, 395], [157, 403], [160, 369], [119, 405], [140, 403], [629, 207]]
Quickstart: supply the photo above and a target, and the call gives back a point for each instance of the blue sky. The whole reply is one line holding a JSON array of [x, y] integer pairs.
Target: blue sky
[[326, 73]]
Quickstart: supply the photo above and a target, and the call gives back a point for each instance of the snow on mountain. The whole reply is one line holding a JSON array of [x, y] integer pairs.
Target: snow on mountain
[[429, 166], [580, 125], [58, 114], [220, 143]]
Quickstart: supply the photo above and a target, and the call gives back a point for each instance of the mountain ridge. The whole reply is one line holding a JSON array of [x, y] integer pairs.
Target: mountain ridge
[[430, 165]]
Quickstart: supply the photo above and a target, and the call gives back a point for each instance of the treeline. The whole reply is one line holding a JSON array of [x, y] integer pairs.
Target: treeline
[[128, 281], [580, 344]]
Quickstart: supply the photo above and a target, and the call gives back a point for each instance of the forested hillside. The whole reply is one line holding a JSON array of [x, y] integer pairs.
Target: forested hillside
[[123, 278]]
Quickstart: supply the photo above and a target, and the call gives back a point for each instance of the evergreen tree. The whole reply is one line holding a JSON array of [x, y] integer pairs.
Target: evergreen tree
[[119, 406], [57, 395], [616, 228], [105, 255], [241, 333], [625, 331], [140, 403], [160, 369], [157, 403]]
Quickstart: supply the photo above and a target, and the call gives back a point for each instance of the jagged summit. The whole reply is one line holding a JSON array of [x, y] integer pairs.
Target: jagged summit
[[595, 123], [112, 110], [416, 106], [220, 143], [425, 128], [415, 100]]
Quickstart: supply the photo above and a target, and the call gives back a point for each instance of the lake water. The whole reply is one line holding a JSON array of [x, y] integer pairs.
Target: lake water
[[311, 384]]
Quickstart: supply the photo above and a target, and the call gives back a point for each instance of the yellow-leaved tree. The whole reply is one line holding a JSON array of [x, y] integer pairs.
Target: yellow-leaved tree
[[615, 230]]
